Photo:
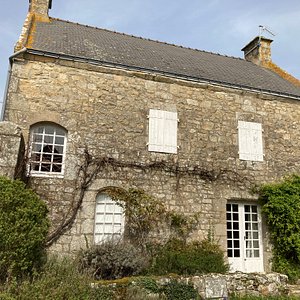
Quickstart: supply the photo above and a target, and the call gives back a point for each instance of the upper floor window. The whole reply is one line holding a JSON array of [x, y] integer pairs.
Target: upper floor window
[[162, 131], [47, 149], [250, 141]]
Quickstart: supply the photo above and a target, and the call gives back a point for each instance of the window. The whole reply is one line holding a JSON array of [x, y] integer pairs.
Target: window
[[244, 242], [109, 219], [250, 141], [162, 131], [47, 149]]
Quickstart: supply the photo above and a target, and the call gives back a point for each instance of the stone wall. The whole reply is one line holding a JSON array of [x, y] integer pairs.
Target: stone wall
[[105, 111], [11, 150], [215, 285], [219, 286]]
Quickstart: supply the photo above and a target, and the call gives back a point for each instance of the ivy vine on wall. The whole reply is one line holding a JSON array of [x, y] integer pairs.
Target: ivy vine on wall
[[281, 205]]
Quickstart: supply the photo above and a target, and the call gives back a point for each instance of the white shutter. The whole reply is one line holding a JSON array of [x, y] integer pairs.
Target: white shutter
[[162, 131], [250, 141]]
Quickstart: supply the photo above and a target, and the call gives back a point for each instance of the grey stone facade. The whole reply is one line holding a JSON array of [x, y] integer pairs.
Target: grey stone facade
[[105, 111]]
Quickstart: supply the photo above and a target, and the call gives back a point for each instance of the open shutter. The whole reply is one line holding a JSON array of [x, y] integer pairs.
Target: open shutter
[[250, 141], [162, 131]]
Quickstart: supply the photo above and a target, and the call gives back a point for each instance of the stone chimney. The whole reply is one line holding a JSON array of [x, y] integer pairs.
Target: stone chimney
[[38, 12], [258, 51], [40, 7]]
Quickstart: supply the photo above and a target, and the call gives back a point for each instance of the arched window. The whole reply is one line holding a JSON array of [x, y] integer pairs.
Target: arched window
[[47, 149], [109, 219]]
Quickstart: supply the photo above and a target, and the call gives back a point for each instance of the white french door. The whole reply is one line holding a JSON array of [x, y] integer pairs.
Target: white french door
[[244, 239]]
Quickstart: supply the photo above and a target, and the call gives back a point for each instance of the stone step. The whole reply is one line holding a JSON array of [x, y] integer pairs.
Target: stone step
[[294, 289]]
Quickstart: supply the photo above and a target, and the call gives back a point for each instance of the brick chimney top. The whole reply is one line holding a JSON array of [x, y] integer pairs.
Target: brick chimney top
[[258, 51], [40, 7]]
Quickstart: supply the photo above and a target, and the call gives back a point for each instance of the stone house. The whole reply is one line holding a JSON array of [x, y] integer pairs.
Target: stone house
[[87, 109]]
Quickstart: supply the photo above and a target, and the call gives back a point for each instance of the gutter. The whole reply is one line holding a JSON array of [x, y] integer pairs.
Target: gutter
[[11, 59]]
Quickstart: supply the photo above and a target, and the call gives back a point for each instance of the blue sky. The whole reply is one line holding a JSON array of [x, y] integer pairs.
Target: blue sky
[[220, 26]]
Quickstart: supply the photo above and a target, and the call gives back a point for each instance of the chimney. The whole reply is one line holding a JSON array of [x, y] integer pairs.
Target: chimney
[[37, 12], [40, 7], [258, 51]]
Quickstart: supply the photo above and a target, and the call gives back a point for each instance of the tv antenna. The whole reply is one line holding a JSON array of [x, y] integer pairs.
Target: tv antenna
[[263, 29]]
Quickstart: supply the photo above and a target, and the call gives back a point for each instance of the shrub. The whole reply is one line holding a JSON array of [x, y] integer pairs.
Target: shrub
[[188, 259], [180, 291], [112, 260], [281, 202], [23, 228], [59, 279]]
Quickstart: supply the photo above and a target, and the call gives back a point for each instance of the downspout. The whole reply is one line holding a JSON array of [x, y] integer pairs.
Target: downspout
[[11, 59]]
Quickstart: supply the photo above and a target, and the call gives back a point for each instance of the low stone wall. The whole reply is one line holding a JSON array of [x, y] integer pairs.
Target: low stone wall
[[219, 285], [216, 286]]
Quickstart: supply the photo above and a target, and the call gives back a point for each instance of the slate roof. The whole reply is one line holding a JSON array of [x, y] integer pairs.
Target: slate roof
[[66, 38]]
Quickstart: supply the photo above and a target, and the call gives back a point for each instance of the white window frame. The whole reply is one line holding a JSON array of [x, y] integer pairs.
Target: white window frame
[[250, 141], [39, 160], [244, 237], [109, 219], [162, 131]]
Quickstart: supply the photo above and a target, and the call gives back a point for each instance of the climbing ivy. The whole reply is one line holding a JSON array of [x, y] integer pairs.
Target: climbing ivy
[[281, 205], [146, 215]]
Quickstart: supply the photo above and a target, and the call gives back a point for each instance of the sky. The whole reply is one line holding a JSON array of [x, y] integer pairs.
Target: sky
[[219, 26]]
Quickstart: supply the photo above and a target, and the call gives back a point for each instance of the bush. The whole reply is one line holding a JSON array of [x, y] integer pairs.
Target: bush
[[281, 202], [112, 260], [180, 291], [23, 228], [188, 259], [59, 279]]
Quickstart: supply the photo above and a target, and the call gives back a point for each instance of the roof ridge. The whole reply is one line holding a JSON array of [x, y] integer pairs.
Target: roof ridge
[[146, 39]]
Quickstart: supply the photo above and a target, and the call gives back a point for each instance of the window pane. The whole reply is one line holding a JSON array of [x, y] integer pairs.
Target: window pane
[[39, 129], [37, 138], [59, 149], [237, 244], [59, 140], [60, 131], [49, 129], [234, 207], [255, 244], [235, 225], [236, 234], [48, 139]]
